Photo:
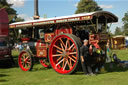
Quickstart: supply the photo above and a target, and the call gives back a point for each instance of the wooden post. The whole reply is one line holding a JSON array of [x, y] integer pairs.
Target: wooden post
[[96, 24]]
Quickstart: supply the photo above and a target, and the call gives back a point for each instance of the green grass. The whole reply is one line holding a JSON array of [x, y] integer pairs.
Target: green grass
[[43, 76], [122, 54], [15, 53]]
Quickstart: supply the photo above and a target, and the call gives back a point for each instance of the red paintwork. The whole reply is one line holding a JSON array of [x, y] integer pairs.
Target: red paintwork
[[25, 39], [94, 39], [41, 49], [4, 22], [49, 37], [5, 52], [53, 51], [63, 29]]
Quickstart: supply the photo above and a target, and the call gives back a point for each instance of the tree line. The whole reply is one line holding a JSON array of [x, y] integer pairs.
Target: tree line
[[124, 29]]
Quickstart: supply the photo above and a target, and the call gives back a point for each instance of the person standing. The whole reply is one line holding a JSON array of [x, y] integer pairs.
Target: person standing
[[85, 58], [20, 47]]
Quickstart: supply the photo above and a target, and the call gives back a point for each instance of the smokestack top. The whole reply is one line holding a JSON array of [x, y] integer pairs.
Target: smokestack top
[[36, 13]]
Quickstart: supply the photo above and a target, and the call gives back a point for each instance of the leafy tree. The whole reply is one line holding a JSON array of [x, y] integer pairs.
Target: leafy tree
[[118, 31], [87, 6], [18, 19], [125, 22], [110, 33]]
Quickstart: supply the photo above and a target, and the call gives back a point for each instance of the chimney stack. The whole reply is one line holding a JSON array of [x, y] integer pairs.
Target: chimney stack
[[36, 14]]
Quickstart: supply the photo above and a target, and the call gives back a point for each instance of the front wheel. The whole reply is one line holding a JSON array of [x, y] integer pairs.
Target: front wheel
[[25, 61], [64, 53]]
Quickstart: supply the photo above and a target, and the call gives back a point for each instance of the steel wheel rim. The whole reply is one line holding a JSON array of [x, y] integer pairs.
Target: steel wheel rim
[[66, 60], [25, 61]]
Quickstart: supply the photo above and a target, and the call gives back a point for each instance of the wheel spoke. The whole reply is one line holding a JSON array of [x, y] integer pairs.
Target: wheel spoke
[[70, 46], [66, 44], [56, 55], [27, 57], [62, 46], [62, 42], [28, 62], [59, 51], [24, 56], [72, 53], [26, 66], [58, 47], [59, 58], [72, 59], [22, 59], [68, 64], [73, 48], [60, 62], [65, 65], [22, 63]]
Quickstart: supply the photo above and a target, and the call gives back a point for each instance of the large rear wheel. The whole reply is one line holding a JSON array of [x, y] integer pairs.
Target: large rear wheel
[[25, 61], [64, 53]]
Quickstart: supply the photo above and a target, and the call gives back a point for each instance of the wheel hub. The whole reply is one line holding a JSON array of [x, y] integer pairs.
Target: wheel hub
[[25, 60], [65, 54]]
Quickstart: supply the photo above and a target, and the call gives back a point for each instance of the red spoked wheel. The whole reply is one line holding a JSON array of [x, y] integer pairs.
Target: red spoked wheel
[[25, 61], [64, 53], [44, 63]]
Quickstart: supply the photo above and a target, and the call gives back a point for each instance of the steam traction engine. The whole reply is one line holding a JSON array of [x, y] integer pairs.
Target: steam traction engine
[[56, 41]]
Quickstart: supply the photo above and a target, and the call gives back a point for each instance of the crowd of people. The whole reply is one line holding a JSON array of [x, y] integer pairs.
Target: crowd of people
[[86, 61], [18, 46], [21, 46]]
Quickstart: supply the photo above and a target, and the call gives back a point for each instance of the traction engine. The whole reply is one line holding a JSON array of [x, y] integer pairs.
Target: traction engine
[[56, 41]]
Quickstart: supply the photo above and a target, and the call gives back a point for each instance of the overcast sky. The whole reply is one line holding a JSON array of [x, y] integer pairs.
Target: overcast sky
[[52, 8]]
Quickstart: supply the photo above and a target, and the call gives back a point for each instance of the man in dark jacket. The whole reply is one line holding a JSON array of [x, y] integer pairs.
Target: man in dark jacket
[[85, 58]]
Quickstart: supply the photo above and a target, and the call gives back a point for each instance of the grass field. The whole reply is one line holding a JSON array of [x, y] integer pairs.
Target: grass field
[[43, 76]]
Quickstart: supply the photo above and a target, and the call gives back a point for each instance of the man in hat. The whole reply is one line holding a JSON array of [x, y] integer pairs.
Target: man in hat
[[85, 58]]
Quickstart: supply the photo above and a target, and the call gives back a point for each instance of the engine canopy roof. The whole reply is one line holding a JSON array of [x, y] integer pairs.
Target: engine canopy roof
[[101, 15]]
